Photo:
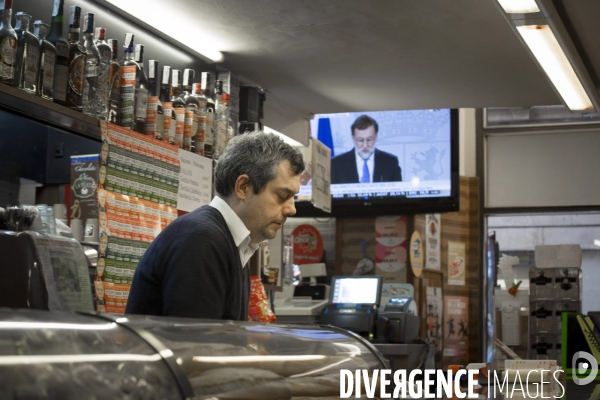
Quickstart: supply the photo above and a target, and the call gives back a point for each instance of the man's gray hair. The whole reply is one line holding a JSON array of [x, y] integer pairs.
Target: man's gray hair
[[257, 155]]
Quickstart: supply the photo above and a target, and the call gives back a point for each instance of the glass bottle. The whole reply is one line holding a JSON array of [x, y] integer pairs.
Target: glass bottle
[[141, 92], [45, 85], [130, 80], [8, 43], [28, 55], [192, 104], [61, 69], [114, 115], [77, 56], [200, 144], [209, 140], [178, 107], [168, 133], [102, 103], [220, 121], [154, 91], [92, 60]]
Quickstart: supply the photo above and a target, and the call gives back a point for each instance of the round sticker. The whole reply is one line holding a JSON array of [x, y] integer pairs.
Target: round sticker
[[416, 254], [308, 245]]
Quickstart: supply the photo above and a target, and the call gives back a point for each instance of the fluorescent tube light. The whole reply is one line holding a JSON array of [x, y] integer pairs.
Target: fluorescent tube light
[[285, 138], [596, 242], [519, 6], [173, 22], [549, 54]]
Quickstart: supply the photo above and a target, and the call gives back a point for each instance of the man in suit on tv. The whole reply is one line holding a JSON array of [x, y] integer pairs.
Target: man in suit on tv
[[364, 163]]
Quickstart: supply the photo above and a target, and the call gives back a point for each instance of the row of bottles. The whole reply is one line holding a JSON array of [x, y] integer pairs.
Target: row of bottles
[[88, 77]]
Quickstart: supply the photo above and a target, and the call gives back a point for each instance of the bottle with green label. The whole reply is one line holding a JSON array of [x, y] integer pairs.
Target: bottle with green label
[[77, 59], [61, 69], [45, 86], [130, 81], [8, 43], [28, 55]]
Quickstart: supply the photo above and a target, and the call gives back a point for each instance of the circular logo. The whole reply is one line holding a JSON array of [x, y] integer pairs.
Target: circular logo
[[308, 245]]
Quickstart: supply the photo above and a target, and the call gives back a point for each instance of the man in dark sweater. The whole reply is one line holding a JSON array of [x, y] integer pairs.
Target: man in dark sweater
[[197, 266]]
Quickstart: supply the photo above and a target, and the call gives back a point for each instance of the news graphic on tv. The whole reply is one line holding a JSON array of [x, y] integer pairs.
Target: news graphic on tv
[[376, 155]]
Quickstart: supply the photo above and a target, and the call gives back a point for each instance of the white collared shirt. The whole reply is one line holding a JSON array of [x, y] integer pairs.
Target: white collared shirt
[[360, 162], [241, 234]]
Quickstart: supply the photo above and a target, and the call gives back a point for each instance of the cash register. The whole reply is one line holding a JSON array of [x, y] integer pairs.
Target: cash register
[[353, 304], [302, 303]]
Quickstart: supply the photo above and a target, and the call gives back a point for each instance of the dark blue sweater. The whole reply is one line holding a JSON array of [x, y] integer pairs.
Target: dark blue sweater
[[192, 269]]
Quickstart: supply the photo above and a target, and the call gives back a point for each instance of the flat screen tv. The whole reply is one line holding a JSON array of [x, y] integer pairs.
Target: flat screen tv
[[388, 162], [355, 290]]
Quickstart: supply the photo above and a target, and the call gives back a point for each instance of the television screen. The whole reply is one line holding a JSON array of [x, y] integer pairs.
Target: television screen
[[388, 161], [355, 290]]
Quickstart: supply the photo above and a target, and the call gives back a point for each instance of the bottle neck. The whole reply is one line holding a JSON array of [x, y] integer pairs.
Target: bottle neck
[[6, 16], [74, 34], [22, 25], [128, 56]]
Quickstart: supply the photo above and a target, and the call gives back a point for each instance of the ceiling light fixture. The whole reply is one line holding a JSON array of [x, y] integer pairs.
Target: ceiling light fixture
[[596, 242], [159, 21], [519, 6], [545, 36]]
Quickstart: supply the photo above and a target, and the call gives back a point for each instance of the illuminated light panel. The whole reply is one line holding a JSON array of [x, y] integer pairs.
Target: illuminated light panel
[[185, 31], [54, 325], [519, 6], [554, 62], [76, 358], [254, 359]]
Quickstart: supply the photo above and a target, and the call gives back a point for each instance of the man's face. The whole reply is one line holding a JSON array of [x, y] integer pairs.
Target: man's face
[[102, 174], [103, 243], [99, 290], [265, 213], [100, 267], [104, 151], [101, 198], [364, 141]]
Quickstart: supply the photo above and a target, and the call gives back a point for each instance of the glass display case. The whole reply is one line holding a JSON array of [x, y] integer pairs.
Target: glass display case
[[47, 355]]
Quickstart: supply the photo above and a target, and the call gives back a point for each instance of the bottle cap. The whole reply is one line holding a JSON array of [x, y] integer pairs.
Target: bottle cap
[[176, 78], [74, 20], [41, 29], [152, 69], [88, 23], [166, 74], [188, 77], [128, 45], [197, 88], [205, 79], [57, 10], [100, 33], [5, 4], [114, 45], [139, 53]]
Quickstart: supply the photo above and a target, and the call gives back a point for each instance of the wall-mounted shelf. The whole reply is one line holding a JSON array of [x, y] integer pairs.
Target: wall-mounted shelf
[[29, 106]]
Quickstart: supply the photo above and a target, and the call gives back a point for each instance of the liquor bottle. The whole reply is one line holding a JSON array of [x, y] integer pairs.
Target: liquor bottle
[[209, 140], [61, 69], [178, 107], [220, 121], [77, 56], [154, 94], [190, 126], [168, 132], [114, 112], [102, 104], [200, 145], [45, 85], [8, 43], [28, 55], [92, 61], [141, 92], [130, 81]]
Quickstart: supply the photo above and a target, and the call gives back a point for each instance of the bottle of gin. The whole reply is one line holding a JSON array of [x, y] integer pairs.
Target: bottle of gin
[[61, 69], [77, 59], [168, 132], [209, 140], [102, 102], [141, 92], [114, 112], [8, 43], [92, 61], [200, 145], [28, 55], [45, 86], [154, 94], [190, 125], [178, 107], [130, 81]]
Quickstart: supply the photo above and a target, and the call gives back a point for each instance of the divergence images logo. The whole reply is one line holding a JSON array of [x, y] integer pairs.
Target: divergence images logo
[[583, 367]]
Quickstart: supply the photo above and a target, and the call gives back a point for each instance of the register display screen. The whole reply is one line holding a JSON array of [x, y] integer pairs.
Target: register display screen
[[359, 290]]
